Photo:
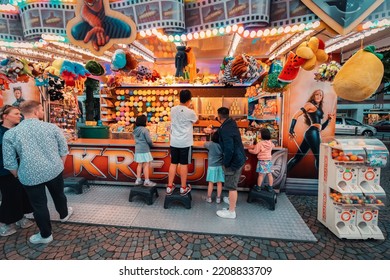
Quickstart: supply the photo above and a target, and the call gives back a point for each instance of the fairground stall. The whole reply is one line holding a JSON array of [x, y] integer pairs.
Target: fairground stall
[[262, 59]]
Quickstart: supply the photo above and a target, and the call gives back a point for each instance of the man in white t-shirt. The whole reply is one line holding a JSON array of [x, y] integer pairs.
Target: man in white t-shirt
[[182, 118]]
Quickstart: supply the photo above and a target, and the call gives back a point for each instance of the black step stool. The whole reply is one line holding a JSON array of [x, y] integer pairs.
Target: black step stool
[[146, 193], [76, 184], [269, 197], [176, 197]]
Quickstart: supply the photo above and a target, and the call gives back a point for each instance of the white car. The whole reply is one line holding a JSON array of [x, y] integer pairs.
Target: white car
[[348, 126]]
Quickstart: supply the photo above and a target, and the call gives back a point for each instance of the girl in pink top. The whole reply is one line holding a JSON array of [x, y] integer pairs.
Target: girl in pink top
[[263, 149]]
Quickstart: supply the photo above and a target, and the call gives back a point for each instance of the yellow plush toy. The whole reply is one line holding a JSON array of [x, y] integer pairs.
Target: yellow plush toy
[[55, 67], [313, 51], [360, 76]]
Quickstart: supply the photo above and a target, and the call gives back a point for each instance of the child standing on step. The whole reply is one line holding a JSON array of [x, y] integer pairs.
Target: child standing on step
[[263, 150], [215, 172], [142, 151]]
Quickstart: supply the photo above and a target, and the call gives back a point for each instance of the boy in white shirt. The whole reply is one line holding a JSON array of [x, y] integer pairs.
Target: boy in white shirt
[[182, 119]]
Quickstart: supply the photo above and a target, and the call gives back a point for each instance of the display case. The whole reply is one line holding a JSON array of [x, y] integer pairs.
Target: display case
[[64, 115], [349, 194], [107, 108], [264, 111]]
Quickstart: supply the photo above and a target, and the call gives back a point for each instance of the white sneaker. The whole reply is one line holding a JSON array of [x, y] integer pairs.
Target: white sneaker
[[138, 182], [149, 184], [24, 223], [7, 230], [29, 216], [70, 212], [38, 239], [207, 199], [218, 200], [226, 214], [226, 200], [170, 189]]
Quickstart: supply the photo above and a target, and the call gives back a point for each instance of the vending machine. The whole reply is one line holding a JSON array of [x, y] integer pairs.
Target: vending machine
[[349, 193]]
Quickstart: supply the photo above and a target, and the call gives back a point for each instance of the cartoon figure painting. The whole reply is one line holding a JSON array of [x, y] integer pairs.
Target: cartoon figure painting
[[97, 27]]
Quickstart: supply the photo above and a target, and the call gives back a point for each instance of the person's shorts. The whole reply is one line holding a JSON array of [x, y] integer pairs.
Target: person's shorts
[[181, 155], [232, 177], [264, 166], [143, 157]]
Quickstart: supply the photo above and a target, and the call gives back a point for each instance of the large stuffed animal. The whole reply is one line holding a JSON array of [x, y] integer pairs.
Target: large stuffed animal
[[360, 76], [291, 68], [191, 64], [313, 51], [180, 60]]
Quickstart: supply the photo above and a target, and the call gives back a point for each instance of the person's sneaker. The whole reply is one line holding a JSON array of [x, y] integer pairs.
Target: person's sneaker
[[24, 223], [170, 189], [7, 230], [185, 191], [268, 188], [149, 183], [70, 212], [218, 200], [208, 199], [225, 213], [138, 182], [29, 216], [38, 239], [226, 199], [257, 188]]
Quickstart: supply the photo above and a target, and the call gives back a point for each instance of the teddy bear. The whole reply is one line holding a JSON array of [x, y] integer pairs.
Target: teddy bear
[[360, 76]]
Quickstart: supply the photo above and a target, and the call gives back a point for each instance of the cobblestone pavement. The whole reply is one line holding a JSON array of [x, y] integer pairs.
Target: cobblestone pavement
[[75, 241]]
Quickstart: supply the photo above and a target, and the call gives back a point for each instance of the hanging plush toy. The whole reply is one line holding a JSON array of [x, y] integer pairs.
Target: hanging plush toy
[[39, 68], [4, 82], [55, 88], [313, 51], [55, 67], [94, 68], [291, 68], [142, 73], [360, 76], [180, 60], [191, 66], [131, 62], [118, 60], [243, 68]]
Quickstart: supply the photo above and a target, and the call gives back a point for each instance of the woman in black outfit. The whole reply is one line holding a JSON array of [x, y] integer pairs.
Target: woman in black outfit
[[313, 115], [14, 202]]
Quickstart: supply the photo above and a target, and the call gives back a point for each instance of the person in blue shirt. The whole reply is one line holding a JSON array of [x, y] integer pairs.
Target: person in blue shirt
[[42, 150], [215, 172], [14, 202], [142, 156]]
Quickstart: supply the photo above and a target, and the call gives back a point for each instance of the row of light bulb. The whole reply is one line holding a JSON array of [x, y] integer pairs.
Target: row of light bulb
[[227, 30], [352, 39], [34, 53], [290, 44], [8, 8], [80, 50]]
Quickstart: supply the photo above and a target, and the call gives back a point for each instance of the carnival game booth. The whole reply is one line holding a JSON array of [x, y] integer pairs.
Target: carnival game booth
[[228, 53], [112, 159]]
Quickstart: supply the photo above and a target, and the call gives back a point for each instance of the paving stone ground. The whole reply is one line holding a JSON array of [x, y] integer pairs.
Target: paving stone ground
[[75, 241]]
